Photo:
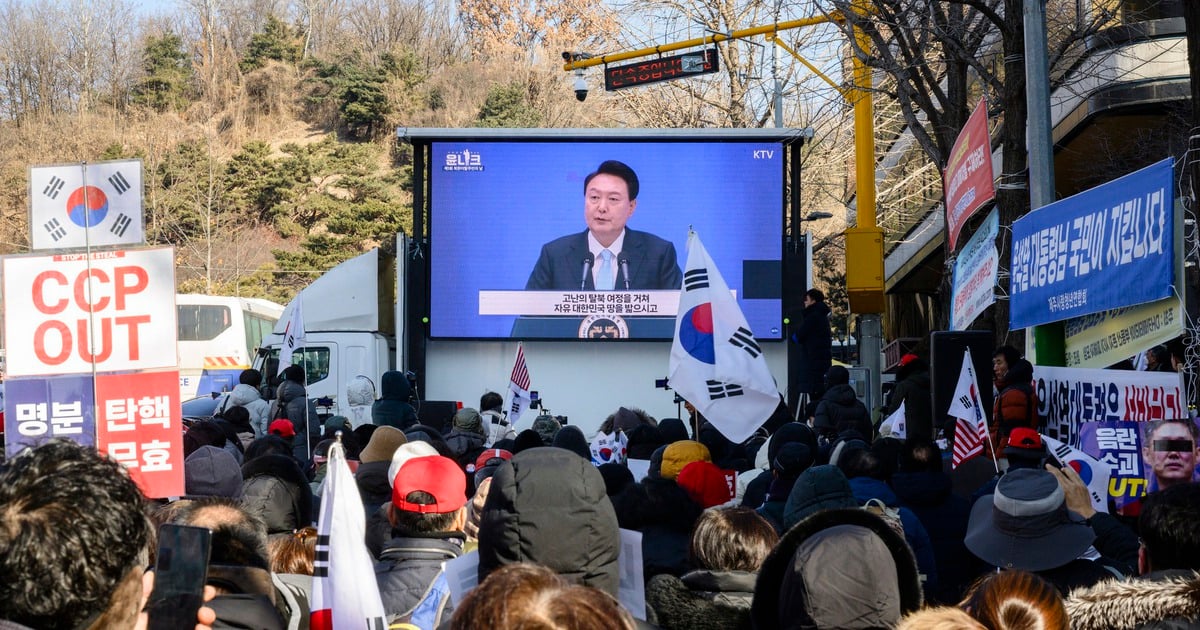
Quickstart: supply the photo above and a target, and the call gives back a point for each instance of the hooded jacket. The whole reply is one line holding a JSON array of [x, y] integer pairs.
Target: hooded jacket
[[548, 506], [1161, 600], [275, 490], [1017, 403], [840, 409], [701, 600], [392, 408], [839, 568], [246, 396], [496, 426]]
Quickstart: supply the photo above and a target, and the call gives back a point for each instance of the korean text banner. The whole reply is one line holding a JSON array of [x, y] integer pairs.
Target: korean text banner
[[41, 409], [66, 314], [1104, 248], [1069, 397], [1137, 467], [140, 424], [975, 274], [968, 179]]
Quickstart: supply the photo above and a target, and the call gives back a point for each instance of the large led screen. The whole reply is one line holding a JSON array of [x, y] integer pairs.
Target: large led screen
[[513, 231]]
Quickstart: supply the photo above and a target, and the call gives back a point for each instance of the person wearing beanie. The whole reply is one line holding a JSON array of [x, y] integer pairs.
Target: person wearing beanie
[[372, 474], [706, 484], [571, 438], [753, 488], [526, 440], [616, 477], [546, 427], [427, 512], [793, 458], [483, 469], [211, 472], [654, 470], [466, 433], [680, 454], [673, 430], [202, 434]]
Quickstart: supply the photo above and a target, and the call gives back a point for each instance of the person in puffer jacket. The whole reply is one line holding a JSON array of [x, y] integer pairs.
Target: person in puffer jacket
[[245, 394], [275, 490], [548, 505]]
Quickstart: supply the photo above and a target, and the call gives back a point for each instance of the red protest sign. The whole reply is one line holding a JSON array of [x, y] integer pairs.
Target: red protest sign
[[140, 424]]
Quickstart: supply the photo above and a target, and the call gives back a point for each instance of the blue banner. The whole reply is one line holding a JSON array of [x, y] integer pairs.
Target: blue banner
[[1108, 247], [42, 408]]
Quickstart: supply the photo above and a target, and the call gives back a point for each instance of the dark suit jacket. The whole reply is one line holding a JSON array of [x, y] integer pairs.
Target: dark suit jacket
[[652, 264]]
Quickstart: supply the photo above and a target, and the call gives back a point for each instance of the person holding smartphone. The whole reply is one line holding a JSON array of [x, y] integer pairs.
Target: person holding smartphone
[[86, 566]]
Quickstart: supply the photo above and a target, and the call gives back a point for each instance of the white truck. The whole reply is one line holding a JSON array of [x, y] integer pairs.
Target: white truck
[[355, 323]]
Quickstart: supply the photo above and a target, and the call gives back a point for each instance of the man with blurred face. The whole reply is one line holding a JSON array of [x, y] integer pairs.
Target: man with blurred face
[[607, 256], [1169, 453]]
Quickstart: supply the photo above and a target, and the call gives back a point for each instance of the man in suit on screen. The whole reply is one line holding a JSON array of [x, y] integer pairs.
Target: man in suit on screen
[[607, 256]]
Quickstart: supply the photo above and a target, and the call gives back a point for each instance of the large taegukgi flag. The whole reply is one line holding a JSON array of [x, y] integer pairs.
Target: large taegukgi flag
[[344, 592], [716, 364], [293, 335]]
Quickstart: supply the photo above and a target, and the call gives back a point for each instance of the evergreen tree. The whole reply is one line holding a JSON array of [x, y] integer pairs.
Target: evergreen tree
[[507, 106], [167, 74], [276, 42]]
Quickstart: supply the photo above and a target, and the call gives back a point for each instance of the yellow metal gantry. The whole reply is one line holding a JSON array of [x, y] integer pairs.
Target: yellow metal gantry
[[864, 242]]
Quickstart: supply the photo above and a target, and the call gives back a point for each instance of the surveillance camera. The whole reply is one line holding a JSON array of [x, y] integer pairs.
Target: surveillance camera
[[581, 88]]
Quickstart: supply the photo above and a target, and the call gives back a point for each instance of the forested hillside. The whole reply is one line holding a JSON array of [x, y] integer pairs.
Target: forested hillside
[[266, 128]]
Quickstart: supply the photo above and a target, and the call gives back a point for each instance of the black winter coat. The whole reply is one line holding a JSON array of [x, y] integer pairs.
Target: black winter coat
[[840, 410], [548, 506], [275, 490], [665, 515], [816, 343]]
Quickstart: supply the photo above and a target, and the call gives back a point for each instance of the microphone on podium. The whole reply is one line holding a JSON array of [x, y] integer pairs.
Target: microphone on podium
[[588, 261], [623, 262]]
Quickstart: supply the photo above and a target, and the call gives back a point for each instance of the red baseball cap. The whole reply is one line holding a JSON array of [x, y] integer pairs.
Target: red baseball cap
[[435, 475], [1025, 438], [487, 456], [282, 428]]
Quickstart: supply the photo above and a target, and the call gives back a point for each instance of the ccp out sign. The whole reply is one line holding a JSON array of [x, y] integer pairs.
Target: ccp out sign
[[65, 313]]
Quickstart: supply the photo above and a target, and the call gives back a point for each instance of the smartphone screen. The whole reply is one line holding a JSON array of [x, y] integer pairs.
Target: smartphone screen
[[180, 573]]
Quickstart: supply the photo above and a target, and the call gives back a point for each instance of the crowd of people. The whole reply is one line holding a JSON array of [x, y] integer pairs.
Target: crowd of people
[[817, 524]]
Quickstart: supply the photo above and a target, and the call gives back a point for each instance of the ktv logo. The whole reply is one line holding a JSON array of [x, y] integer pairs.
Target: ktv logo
[[465, 160]]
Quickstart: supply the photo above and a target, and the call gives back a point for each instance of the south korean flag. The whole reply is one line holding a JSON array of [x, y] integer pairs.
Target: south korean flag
[[716, 364], [96, 204]]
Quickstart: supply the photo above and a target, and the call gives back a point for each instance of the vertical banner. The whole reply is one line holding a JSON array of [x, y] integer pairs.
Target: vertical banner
[[66, 314], [968, 179], [974, 287], [76, 205], [41, 409], [1105, 248], [1070, 397], [140, 424]]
